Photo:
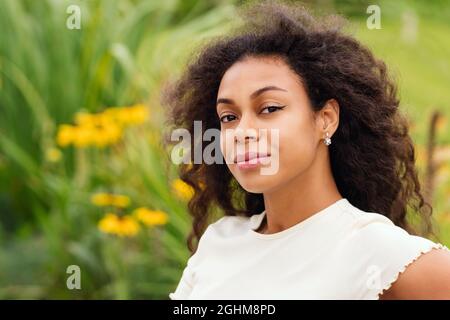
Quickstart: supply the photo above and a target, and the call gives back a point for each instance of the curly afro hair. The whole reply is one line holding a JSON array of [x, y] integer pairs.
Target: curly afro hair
[[372, 155]]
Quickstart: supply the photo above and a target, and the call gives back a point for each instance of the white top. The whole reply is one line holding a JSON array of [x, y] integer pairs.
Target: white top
[[341, 252]]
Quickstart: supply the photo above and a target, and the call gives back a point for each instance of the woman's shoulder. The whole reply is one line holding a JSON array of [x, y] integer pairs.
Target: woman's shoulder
[[383, 249], [374, 228], [375, 233]]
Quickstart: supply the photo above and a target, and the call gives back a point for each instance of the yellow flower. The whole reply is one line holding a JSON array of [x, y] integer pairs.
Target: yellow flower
[[150, 217], [53, 154], [133, 115], [85, 119], [107, 135], [127, 226], [120, 201], [101, 199], [121, 226], [83, 136], [101, 139], [65, 135], [113, 113], [100, 129], [182, 189], [139, 113], [113, 131], [109, 223], [107, 199]]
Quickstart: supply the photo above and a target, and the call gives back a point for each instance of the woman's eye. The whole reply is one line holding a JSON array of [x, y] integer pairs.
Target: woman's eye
[[227, 118], [271, 109]]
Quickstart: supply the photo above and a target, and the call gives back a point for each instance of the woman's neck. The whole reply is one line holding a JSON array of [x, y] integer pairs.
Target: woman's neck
[[300, 198]]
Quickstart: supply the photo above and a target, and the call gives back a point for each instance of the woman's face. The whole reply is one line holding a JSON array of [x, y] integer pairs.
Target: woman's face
[[264, 93]]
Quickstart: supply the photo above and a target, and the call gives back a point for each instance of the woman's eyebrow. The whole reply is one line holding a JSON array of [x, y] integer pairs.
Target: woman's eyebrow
[[252, 96]]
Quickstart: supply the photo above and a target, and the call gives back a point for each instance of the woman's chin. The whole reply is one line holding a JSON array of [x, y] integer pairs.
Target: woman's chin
[[256, 184]]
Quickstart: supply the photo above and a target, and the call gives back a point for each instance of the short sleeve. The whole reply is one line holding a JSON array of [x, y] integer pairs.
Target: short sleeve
[[382, 251], [185, 285], [187, 281]]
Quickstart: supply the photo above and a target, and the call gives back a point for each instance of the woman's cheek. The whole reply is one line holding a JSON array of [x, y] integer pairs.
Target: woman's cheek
[[226, 147], [295, 150]]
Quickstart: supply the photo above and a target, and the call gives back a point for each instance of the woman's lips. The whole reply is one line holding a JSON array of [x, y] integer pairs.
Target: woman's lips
[[251, 160]]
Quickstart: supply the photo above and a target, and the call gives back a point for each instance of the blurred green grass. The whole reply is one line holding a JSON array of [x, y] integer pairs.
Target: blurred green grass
[[121, 56]]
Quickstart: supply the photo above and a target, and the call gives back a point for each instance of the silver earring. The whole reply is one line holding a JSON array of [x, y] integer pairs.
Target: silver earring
[[327, 140]]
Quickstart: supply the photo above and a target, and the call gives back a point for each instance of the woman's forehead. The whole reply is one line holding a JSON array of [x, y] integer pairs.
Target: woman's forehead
[[254, 73]]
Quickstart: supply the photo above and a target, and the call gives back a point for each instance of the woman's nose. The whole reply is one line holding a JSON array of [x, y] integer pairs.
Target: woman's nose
[[245, 131], [245, 135]]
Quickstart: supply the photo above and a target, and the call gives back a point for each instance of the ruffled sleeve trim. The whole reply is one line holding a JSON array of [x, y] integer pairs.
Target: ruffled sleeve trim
[[405, 266]]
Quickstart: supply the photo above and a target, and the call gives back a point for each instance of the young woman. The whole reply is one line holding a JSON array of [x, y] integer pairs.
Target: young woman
[[331, 221]]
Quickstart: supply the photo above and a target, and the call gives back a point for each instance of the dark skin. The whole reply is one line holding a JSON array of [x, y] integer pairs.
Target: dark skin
[[290, 195], [426, 278], [304, 169]]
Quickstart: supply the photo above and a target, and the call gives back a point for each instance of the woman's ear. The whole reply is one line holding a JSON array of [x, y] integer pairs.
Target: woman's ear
[[329, 117]]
